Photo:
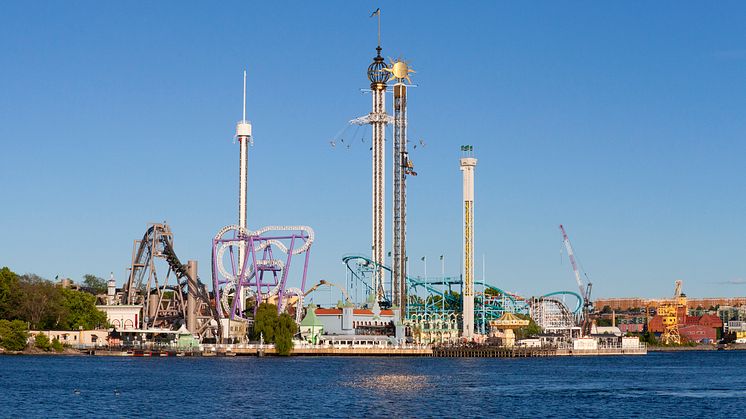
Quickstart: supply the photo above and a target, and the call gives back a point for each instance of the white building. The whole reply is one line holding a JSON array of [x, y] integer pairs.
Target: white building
[[122, 317], [350, 321]]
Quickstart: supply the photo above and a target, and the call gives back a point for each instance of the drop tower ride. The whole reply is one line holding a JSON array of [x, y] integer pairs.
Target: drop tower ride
[[378, 119], [468, 163]]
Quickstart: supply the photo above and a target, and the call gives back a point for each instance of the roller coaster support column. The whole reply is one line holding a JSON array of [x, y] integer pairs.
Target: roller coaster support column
[[191, 314], [468, 163]]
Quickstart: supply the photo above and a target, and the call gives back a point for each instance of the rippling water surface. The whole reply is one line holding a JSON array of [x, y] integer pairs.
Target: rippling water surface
[[691, 384]]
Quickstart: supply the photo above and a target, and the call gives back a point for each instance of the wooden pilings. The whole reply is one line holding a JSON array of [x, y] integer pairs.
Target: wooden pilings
[[491, 352]]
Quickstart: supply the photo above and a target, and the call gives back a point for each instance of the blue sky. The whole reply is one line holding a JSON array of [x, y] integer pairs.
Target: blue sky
[[623, 121]]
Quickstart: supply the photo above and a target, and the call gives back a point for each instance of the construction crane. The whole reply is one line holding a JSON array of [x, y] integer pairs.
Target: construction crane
[[585, 290], [669, 313], [329, 284]]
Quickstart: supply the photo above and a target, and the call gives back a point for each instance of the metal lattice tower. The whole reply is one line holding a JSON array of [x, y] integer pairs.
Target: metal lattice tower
[[378, 119], [400, 163], [400, 71], [468, 163]]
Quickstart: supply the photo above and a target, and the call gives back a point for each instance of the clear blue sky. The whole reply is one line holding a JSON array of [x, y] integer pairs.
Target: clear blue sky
[[624, 121]]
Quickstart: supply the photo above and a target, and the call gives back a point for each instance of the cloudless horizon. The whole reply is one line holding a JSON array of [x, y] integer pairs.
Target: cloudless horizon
[[623, 121]]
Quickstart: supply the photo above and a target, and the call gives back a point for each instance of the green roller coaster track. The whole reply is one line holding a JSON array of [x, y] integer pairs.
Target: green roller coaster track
[[435, 296]]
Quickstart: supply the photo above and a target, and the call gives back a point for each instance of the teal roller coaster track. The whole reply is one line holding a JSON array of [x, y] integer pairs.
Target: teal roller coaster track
[[442, 295]]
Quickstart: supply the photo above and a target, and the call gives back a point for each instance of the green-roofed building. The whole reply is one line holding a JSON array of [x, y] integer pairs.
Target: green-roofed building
[[311, 327]]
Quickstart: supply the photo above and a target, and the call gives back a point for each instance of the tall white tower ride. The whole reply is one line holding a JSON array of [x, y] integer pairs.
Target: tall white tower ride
[[378, 119], [468, 163], [243, 134]]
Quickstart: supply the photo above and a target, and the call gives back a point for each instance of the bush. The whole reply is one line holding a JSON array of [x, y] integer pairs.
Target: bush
[[13, 335], [57, 345], [41, 341]]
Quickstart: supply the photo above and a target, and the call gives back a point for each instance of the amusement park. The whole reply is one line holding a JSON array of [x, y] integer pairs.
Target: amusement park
[[384, 308]]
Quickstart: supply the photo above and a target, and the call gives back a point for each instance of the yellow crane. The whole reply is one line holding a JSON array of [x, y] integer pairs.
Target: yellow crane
[[669, 314]]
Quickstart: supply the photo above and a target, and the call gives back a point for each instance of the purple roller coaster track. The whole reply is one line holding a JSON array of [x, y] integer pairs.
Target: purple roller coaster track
[[264, 273]]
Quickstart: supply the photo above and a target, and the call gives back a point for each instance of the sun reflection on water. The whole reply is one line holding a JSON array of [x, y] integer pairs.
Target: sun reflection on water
[[401, 383]]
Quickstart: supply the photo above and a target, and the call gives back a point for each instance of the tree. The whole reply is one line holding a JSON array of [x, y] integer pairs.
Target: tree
[[532, 329], [80, 311], [57, 345], [13, 335], [39, 302], [41, 341], [95, 284], [265, 322], [286, 329], [649, 338], [275, 329], [45, 305], [8, 293], [603, 322]]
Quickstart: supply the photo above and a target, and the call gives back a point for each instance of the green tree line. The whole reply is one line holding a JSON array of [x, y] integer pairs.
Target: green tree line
[[44, 305]]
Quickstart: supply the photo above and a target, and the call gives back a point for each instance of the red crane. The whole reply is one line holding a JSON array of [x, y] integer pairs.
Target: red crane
[[585, 291]]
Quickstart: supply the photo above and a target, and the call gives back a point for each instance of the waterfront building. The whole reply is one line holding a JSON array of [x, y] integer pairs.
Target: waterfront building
[[429, 328], [605, 331], [122, 317], [311, 327], [96, 337], [356, 321], [731, 313], [631, 327], [697, 333]]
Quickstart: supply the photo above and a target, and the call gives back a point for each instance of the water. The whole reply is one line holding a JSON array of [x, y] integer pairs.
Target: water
[[691, 384]]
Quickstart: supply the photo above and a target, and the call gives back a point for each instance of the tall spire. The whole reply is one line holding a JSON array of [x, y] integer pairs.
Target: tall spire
[[243, 117]]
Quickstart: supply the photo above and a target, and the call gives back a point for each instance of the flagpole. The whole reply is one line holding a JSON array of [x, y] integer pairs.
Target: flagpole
[[443, 280], [484, 294], [424, 263], [379, 27]]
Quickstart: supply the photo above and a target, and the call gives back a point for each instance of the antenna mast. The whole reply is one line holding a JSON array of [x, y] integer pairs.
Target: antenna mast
[[243, 116]]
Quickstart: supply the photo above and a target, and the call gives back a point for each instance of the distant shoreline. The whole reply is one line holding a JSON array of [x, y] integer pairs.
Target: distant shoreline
[[729, 347]]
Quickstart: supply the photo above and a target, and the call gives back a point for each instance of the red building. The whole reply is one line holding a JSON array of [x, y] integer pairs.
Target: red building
[[709, 320], [690, 327], [697, 333], [631, 327]]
